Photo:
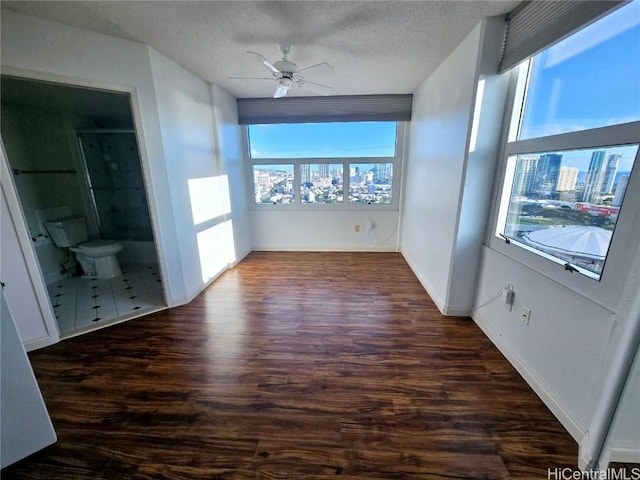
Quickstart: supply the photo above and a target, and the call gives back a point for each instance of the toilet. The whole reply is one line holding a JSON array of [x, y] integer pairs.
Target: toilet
[[97, 257]]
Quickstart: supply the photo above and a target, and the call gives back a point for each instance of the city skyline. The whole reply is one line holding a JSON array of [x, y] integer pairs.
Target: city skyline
[[540, 175], [323, 183]]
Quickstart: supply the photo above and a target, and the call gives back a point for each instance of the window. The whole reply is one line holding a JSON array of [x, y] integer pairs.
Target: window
[[321, 183], [359, 158], [370, 183], [572, 144], [273, 184]]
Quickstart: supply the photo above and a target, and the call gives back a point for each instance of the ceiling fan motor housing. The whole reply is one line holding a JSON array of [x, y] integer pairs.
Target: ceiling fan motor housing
[[287, 68]]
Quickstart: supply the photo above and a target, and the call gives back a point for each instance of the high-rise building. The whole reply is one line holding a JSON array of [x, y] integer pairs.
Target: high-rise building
[[323, 170], [567, 179], [546, 176], [382, 172], [525, 175], [601, 175], [355, 175], [612, 164], [621, 187], [305, 173]]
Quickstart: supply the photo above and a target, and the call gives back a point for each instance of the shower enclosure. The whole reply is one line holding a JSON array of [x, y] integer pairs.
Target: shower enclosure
[[115, 181]]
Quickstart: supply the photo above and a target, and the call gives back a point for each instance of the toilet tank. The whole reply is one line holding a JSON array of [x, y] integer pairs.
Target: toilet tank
[[68, 231]]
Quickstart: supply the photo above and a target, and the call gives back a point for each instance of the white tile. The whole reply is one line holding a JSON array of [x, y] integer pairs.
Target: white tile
[[78, 296]]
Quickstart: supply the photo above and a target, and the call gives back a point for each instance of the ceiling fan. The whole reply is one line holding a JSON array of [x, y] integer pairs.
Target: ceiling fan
[[287, 74]]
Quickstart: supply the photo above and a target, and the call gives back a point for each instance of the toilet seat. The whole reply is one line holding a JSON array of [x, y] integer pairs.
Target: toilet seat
[[99, 247]]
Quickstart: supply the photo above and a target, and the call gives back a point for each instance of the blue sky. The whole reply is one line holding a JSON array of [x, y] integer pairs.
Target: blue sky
[[323, 140], [589, 80]]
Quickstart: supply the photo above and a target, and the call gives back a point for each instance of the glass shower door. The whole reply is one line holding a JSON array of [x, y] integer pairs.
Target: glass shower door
[[116, 184]]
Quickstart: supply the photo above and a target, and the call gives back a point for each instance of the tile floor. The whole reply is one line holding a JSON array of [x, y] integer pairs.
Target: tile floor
[[80, 303]]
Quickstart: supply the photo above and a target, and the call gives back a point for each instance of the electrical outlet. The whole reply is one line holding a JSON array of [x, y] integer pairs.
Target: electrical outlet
[[369, 225], [356, 228], [525, 316]]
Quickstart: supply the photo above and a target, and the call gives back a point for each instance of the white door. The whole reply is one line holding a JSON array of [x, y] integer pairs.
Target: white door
[[24, 288], [25, 426]]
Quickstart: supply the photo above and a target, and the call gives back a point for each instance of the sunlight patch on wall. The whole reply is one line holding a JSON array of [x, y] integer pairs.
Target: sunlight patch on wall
[[216, 249], [209, 198], [476, 116]]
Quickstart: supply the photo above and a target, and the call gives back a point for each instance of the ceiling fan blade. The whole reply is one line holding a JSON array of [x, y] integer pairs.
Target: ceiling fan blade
[[251, 78], [318, 69], [280, 92], [317, 87], [265, 62]]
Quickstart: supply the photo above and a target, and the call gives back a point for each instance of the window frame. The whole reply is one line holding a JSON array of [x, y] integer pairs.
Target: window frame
[[606, 290], [396, 161]]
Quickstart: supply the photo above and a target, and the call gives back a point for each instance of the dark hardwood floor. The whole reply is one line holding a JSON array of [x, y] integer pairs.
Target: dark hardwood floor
[[294, 366]]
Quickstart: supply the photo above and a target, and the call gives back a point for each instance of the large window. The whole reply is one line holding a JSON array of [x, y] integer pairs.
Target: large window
[[337, 164], [572, 144]]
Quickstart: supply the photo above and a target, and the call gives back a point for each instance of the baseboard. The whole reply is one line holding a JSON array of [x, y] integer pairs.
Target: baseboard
[[53, 277], [39, 343], [457, 311], [184, 299], [564, 415], [446, 309], [325, 248], [239, 258], [425, 284], [197, 291], [625, 452]]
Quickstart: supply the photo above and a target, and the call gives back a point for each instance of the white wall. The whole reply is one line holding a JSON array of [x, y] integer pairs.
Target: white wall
[[232, 164], [624, 438], [447, 186], [566, 351], [187, 129], [560, 352], [479, 167], [323, 230]]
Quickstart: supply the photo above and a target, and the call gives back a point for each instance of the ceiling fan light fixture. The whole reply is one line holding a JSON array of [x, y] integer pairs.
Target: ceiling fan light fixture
[[286, 82]]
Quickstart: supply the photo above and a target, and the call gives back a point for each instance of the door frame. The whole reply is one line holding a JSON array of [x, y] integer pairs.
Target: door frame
[[15, 208], [26, 250]]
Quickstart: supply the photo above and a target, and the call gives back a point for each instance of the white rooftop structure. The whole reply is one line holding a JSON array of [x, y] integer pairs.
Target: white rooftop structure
[[575, 240]]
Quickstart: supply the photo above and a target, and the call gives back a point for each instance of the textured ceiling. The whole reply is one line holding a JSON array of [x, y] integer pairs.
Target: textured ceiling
[[375, 46]]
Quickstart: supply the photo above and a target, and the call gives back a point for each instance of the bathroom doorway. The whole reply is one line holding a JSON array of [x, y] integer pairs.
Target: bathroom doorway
[[73, 152]]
